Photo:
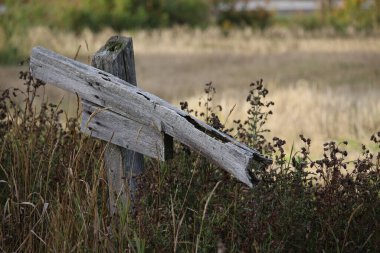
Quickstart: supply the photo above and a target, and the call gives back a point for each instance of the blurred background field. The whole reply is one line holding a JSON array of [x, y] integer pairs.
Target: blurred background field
[[320, 61], [322, 67]]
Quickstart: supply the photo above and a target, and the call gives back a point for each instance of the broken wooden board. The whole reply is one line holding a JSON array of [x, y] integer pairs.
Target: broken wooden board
[[120, 130], [120, 97]]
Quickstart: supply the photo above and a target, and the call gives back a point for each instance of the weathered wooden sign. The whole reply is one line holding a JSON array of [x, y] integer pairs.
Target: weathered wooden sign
[[116, 111]]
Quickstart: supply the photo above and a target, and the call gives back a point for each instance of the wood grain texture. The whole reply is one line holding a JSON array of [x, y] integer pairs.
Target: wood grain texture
[[117, 58], [109, 91], [124, 132], [123, 165]]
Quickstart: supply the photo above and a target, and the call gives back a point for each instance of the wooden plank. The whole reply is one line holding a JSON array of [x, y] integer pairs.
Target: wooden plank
[[123, 98], [124, 132]]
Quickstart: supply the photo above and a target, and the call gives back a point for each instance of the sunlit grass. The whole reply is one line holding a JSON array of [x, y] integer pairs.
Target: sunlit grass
[[325, 87], [54, 191], [182, 40]]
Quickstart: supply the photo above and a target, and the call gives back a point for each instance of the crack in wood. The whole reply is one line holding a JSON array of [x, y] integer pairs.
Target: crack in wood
[[146, 97], [262, 159], [94, 85], [212, 134], [124, 107], [102, 73]]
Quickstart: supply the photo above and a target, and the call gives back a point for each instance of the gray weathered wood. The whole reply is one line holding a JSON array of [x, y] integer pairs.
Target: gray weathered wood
[[109, 91], [117, 58], [124, 132]]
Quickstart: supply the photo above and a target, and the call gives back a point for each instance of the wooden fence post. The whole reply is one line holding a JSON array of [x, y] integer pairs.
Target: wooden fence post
[[117, 58]]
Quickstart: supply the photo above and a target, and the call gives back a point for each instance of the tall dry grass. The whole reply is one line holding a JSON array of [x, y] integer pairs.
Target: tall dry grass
[[54, 194], [324, 86], [189, 41], [322, 114]]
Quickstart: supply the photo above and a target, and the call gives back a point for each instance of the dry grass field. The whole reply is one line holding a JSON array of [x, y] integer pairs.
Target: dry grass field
[[54, 190], [323, 86]]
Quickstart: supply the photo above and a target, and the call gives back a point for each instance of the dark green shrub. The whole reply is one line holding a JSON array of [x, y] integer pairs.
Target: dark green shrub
[[259, 18], [118, 14], [9, 55], [188, 12], [310, 23], [355, 14]]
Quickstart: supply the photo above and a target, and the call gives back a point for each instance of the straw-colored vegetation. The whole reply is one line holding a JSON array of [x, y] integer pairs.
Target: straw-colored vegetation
[[54, 190], [326, 88], [182, 40], [321, 194]]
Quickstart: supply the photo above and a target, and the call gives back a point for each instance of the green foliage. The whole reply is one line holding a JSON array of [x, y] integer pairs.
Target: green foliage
[[310, 22], [53, 193], [190, 12], [135, 14], [75, 15], [256, 18], [354, 13], [9, 55], [141, 14], [118, 14], [96, 15]]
